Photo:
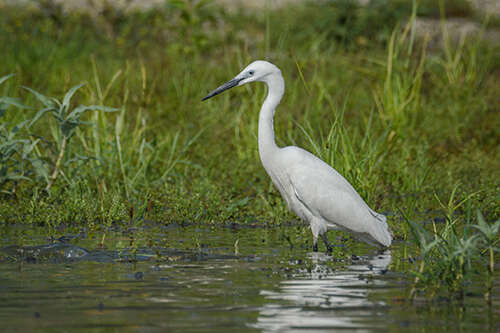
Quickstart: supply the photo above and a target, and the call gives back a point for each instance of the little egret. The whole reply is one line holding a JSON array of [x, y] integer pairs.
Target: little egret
[[311, 188]]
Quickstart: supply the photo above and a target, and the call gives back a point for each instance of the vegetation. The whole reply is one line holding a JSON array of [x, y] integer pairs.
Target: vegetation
[[410, 127]]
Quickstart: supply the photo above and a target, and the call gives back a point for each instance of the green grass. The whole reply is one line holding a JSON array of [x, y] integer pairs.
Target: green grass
[[408, 127]]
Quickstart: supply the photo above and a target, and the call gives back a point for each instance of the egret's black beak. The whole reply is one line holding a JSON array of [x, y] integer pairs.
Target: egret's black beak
[[229, 84]]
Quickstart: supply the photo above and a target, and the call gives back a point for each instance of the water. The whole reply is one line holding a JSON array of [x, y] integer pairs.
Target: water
[[215, 280]]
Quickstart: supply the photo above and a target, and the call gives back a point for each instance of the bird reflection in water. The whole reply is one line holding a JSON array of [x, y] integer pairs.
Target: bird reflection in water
[[324, 299]]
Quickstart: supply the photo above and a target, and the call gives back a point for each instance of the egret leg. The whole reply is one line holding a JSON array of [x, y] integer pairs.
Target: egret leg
[[315, 244], [315, 233], [329, 248]]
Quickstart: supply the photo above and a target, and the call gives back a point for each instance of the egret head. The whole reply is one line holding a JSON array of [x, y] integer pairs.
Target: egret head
[[258, 70]]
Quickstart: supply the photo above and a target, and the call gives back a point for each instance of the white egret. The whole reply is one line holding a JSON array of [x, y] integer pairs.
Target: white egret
[[312, 189]]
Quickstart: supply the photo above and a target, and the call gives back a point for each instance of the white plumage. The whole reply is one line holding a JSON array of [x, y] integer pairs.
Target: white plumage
[[316, 192]]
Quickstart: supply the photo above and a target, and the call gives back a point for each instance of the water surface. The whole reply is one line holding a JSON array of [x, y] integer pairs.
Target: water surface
[[202, 279]]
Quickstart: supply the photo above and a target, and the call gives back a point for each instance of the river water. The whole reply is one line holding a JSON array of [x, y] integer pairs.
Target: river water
[[216, 279]]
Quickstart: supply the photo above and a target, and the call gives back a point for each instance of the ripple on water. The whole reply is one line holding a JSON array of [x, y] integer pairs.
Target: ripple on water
[[325, 299], [209, 284]]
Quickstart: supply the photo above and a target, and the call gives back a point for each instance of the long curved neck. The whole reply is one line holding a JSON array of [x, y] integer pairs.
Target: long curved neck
[[275, 91]]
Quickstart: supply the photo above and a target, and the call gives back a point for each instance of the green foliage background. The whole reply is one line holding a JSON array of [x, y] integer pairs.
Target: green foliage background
[[403, 122]]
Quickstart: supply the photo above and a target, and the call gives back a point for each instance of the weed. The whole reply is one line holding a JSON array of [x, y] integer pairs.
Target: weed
[[17, 161], [448, 255], [67, 120], [488, 240]]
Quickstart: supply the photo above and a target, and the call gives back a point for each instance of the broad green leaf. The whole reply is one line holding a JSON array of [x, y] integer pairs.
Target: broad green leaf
[[490, 231], [84, 108], [58, 117], [79, 158], [429, 246], [40, 168], [496, 227], [69, 94], [12, 101], [48, 102], [13, 176], [56, 102], [38, 115], [28, 148], [6, 77], [484, 230], [419, 233], [77, 111], [103, 108]]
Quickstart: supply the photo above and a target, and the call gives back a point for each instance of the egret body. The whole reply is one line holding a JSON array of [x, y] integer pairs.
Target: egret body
[[316, 192]]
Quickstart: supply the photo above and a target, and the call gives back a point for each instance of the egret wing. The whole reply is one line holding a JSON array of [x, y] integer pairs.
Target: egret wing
[[327, 194]]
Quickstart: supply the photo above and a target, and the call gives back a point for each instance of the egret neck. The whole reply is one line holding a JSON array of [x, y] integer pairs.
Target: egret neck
[[275, 91]]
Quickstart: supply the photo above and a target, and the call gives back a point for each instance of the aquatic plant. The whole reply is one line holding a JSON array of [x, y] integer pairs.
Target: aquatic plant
[[488, 239], [449, 255]]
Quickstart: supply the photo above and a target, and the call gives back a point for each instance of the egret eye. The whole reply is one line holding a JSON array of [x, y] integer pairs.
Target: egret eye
[[251, 72]]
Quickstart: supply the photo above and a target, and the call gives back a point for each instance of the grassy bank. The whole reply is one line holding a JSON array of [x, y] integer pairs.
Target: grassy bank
[[415, 130]]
